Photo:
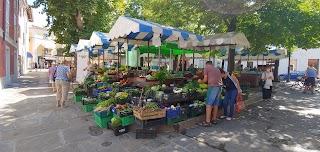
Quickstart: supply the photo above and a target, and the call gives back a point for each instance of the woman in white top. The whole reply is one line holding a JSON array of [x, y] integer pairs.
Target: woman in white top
[[267, 76]]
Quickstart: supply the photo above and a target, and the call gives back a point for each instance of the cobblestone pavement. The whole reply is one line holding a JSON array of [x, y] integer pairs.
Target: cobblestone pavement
[[30, 122]]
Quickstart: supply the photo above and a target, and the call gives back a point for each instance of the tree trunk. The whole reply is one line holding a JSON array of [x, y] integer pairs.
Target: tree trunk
[[79, 19], [276, 71], [232, 26]]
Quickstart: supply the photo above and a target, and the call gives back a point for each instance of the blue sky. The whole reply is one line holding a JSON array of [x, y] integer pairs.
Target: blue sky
[[38, 18]]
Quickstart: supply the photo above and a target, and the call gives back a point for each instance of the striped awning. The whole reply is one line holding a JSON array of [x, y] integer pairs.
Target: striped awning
[[140, 32]]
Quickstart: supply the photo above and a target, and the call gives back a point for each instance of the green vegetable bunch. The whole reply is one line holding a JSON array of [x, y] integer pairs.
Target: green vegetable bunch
[[89, 101], [78, 91], [116, 122], [199, 103], [152, 105], [161, 76], [88, 80]]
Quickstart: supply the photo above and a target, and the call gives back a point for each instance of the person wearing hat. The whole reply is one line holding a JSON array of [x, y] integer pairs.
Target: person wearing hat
[[52, 71]]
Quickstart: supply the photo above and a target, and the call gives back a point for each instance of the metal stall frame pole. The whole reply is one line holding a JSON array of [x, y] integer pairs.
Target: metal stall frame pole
[[159, 57], [118, 65], [193, 56], [148, 55], [210, 53], [257, 61], [103, 58], [127, 54], [183, 59], [214, 58], [98, 59], [170, 62]]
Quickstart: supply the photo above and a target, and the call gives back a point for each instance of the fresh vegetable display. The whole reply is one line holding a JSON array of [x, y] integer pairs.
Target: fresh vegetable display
[[122, 97], [133, 92], [203, 86], [116, 122], [88, 80], [78, 91], [106, 103], [152, 105], [197, 103], [124, 110], [103, 88], [89, 100], [161, 76]]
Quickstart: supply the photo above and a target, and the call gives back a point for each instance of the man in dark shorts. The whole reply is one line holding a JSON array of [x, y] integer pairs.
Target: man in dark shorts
[[213, 77], [310, 83]]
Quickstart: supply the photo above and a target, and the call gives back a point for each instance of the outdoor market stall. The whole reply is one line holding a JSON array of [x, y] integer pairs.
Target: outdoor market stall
[[253, 76]]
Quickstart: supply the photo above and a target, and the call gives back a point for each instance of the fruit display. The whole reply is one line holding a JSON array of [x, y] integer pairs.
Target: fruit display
[[124, 110]]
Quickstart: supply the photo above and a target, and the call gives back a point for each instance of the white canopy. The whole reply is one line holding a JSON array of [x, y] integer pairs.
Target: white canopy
[[140, 32], [73, 48], [196, 55], [222, 41], [83, 44], [146, 55]]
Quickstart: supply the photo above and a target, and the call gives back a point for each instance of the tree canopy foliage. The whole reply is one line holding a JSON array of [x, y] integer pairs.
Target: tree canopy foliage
[[284, 23]]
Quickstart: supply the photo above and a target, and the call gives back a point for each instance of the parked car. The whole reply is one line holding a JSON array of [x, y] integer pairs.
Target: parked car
[[293, 75]]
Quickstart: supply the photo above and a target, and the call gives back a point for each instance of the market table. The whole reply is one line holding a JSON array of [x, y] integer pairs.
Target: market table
[[252, 77]]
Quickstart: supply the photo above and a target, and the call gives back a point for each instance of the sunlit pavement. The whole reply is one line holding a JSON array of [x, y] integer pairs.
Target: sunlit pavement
[[30, 122]]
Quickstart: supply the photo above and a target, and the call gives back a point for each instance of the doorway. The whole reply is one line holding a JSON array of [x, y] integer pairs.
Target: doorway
[[315, 62], [8, 66]]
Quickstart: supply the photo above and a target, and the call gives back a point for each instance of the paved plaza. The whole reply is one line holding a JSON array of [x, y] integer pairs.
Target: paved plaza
[[30, 122]]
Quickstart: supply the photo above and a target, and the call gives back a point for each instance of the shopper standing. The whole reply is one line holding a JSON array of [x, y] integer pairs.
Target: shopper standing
[[232, 87], [267, 76], [310, 83], [213, 77], [52, 75], [62, 83], [89, 69]]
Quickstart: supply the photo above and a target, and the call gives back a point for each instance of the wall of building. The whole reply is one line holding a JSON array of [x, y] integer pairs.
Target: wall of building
[[299, 59], [8, 40], [23, 38]]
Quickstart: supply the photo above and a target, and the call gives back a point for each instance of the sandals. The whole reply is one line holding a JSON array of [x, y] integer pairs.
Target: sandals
[[214, 122], [205, 124]]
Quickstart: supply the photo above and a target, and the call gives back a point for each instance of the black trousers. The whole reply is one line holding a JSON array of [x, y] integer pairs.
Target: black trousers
[[266, 93]]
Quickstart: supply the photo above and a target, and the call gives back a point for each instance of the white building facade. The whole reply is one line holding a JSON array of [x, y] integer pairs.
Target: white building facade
[[25, 16], [300, 60]]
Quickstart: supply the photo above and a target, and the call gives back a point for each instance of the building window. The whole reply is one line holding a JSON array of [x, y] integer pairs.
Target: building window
[[7, 16], [291, 67], [45, 36]]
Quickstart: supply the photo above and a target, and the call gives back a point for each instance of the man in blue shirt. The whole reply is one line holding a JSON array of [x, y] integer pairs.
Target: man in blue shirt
[[310, 83]]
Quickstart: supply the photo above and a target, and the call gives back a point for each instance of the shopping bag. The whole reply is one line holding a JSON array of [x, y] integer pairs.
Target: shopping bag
[[240, 105]]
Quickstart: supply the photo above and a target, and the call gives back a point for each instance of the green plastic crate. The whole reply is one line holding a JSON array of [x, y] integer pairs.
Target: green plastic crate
[[89, 107], [171, 121], [102, 122], [197, 111], [77, 98], [125, 121]]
